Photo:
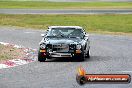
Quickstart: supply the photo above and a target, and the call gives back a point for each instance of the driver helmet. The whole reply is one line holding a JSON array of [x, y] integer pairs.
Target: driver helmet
[[55, 32]]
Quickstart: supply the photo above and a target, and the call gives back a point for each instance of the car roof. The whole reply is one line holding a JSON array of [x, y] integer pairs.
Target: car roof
[[78, 27]]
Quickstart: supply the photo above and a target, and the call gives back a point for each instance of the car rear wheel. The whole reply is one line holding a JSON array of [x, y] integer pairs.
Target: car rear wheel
[[41, 58]]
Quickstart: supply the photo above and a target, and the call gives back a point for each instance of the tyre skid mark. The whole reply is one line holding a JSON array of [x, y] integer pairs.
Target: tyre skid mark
[[30, 56]]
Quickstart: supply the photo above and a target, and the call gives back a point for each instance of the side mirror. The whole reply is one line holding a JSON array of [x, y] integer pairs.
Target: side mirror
[[42, 35], [86, 36]]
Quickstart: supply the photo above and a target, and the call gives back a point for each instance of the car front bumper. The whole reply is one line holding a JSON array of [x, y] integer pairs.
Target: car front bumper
[[60, 54], [52, 54]]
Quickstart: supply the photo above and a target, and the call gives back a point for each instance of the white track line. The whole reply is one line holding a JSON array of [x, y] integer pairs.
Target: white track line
[[29, 32], [125, 71]]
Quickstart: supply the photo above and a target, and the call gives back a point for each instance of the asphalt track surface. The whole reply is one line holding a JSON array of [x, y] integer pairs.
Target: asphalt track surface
[[109, 54], [66, 11]]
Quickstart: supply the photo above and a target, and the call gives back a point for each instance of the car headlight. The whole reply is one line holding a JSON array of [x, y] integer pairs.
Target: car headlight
[[43, 46], [79, 46]]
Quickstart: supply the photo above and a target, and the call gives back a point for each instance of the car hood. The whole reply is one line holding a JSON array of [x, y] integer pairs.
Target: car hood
[[63, 40]]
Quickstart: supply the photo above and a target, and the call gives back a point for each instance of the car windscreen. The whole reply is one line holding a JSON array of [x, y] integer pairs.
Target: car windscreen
[[65, 32]]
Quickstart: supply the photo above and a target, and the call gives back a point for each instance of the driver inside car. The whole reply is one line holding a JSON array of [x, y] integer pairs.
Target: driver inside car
[[55, 32]]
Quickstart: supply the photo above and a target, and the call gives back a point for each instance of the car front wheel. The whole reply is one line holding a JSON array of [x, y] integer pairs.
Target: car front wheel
[[41, 58], [81, 57]]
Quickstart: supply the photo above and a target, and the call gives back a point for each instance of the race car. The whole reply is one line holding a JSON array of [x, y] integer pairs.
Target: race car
[[64, 42]]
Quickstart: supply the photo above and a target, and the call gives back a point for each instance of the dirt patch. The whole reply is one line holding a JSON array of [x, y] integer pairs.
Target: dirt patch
[[8, 52]]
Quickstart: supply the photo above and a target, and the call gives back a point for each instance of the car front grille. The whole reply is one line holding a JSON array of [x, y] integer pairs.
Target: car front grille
[[60, 48]]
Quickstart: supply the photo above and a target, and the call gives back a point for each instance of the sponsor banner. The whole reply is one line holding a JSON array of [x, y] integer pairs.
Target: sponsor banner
[[83, 78]]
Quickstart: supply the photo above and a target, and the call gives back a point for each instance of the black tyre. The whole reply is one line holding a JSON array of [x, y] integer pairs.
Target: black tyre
[[41, 58], [81, 57], [88, 54]]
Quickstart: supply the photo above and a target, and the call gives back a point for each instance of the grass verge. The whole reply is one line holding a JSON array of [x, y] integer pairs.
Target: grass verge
[[91, 23], [8, 52], [63, 5]]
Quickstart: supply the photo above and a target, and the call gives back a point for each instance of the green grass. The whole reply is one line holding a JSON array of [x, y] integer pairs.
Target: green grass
[[92, 23], [63, 5]]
